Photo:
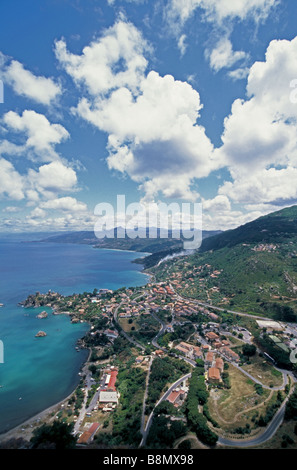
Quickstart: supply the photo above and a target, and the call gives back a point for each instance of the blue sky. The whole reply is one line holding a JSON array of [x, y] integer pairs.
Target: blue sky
[[165, 100]]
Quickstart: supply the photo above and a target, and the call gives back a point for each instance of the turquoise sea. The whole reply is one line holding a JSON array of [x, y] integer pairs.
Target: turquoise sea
[[39, 372]]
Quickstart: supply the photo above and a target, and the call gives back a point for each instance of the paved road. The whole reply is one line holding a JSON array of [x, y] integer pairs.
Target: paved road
[[278, 417], [122, 332], [142, 429], [265, 436], [160, 333], [82, 413], [164, 397], [204, 304], [280, 387]]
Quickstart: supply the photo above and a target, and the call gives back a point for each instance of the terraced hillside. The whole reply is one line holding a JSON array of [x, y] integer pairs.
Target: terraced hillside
[[252, 268]]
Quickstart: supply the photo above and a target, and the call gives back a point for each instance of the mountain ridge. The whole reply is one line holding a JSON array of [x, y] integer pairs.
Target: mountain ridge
[[252, 268], [269, 228]]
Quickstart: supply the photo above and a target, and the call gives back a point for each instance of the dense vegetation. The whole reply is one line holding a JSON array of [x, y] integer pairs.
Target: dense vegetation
[[257, 265], [197, 395], [53, 436], [164, 432], [127, 418], [291, 407], [181, 333], [281, 357], [276, 227], [163, 372]]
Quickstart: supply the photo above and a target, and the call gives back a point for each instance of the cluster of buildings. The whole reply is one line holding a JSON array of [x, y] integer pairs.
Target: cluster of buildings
[[265, 247], [222, 346], [190, 351], [142, 306], [213, 351], [163, 290], [108, 396], [192, 273]]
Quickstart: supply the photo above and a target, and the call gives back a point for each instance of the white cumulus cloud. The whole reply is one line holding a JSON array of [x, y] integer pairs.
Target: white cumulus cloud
[[179, 11], [52, 178], [114, 60], [25, 83], [223, 56], [260, 134], [41, 135], [151, 120], [11, 182], [67, 204]]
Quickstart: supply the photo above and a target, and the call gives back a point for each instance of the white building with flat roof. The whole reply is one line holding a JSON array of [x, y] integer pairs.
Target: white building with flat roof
[[108, 397], [270, 325]]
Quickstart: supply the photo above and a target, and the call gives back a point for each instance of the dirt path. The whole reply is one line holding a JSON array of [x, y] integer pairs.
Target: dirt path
[[241, 412]]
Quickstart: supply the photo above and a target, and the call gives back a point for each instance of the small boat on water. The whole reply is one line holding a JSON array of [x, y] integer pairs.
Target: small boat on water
[[1, 305]]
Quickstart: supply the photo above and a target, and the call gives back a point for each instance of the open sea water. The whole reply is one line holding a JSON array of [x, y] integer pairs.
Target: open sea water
[[39, 372]]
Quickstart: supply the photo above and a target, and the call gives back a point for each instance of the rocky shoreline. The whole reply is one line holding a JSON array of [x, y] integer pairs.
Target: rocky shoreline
[[52, 300]]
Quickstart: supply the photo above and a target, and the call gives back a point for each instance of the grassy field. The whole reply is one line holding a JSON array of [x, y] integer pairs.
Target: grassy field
[[264, 371], [236, 407], [127, 326], [137, 323]]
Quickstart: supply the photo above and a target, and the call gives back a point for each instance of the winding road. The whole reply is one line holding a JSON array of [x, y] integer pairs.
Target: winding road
[[131, 340], [164, 397], [261, 439], [276, 420]]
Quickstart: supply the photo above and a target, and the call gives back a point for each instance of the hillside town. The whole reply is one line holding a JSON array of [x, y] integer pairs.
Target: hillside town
[[141, 331]]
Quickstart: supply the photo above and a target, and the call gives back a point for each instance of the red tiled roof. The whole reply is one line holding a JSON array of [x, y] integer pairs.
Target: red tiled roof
[[94, 428], [174, 395], [112, 380], [219, 363], [209, 356], [214, 373], [86, 436]]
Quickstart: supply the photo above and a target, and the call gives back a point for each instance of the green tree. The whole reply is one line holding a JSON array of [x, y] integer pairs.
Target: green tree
[[57, 435], [249, 350]]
